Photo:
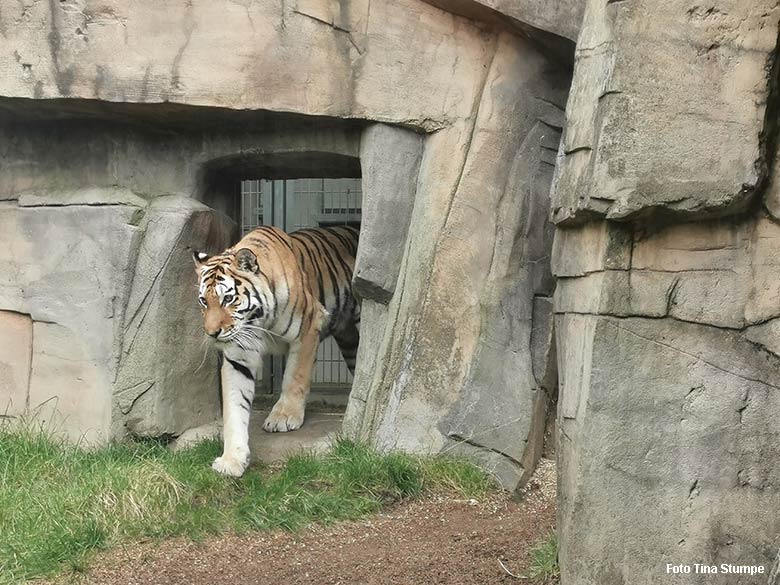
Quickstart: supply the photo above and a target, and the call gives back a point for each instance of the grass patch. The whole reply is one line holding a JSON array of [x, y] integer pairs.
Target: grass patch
[[544, 560], [58, 504]]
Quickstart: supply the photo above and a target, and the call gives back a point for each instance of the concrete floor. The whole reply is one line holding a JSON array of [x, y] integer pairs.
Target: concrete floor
[[324, 417], [315, 434]]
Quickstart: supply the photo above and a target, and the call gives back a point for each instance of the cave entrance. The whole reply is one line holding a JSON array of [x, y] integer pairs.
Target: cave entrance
[[313, 179], [293, 204]]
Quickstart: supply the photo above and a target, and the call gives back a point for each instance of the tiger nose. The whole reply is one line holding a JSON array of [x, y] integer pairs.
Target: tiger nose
[[214, 333]]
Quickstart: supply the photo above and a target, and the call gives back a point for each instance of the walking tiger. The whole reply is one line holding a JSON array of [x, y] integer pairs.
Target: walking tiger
[[275, 293]]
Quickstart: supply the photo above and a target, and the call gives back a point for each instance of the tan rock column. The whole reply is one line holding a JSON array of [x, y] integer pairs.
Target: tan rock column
[[668, 294], [451, 367]]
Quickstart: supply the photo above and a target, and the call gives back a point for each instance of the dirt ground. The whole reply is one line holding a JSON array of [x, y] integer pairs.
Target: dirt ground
[[435, 541]]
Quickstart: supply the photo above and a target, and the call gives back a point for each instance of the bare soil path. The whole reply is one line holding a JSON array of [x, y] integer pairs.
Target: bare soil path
[[435, 541]]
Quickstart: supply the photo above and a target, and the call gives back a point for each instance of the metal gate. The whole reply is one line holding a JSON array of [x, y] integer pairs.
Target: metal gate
[[292, 204]]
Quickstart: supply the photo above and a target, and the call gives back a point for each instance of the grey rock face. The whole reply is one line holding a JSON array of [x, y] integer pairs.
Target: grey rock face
[[667, 332], [447, 365], [15, 360], [64, 270], [774, 575], [562, 18], [675, 422], [721, 273], [669, 346], [79, 266], [676, 130], [389, 160], [402, 62], [168, 150], [168, 380]]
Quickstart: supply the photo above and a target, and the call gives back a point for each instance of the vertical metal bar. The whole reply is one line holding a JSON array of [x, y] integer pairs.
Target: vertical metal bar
[[274, 216], [243, 217]]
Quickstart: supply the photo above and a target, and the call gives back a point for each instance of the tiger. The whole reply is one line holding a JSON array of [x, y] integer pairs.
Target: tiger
[[276, 293]]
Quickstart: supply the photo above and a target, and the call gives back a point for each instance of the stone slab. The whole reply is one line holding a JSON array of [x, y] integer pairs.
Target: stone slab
[[70, 389], [167, 380], [16, 342], [316, 434], [719, 272], [675, 131], [67, 267], [389, 160], [399, 61], [667, 436]]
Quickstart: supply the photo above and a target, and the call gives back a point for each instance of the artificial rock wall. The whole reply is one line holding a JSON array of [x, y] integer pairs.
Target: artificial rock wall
[[668, 294], [98, 219], [472, 270], [121, 141]]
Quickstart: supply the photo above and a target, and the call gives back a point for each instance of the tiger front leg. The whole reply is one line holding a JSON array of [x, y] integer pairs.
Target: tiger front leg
[[288, 412], [238, 389]]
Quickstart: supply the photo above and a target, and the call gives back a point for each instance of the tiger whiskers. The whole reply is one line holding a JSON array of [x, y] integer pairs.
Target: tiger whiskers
[[253, 335], [255, 329], [238, 340], [242, 339], [204, 346], [249, 336]]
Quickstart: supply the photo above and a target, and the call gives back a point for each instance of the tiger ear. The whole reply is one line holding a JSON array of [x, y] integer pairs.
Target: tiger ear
[[246, 260], [199, 258]]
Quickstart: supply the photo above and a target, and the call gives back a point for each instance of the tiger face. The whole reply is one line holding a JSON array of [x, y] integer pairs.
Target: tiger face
[[234, 295]]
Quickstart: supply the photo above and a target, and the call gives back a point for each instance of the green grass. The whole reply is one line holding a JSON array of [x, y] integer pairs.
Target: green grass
[[58, 504], [544, 560]]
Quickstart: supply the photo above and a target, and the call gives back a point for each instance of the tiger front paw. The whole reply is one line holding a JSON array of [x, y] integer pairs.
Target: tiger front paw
[[281, 420], [229, 466]]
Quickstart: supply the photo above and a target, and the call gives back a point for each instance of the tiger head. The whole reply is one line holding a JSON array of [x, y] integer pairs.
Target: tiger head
[[236, 298]]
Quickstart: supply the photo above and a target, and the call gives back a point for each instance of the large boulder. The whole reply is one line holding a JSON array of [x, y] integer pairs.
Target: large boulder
[[447, 365], [64, 268], [168, 377], [666, 111], [81, 273]]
